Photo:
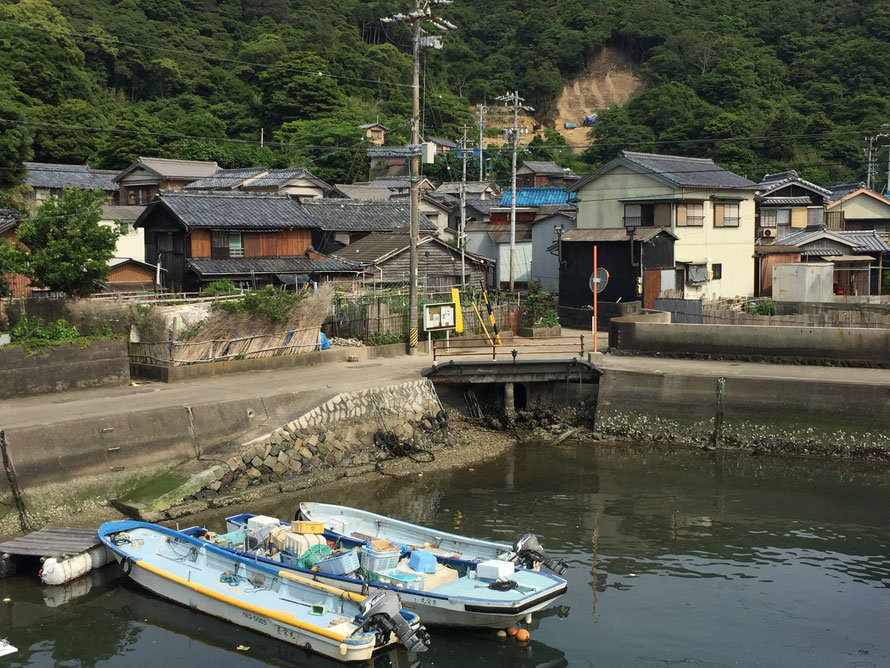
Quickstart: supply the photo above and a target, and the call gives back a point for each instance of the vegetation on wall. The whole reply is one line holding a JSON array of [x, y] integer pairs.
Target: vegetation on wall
[[769, 84]]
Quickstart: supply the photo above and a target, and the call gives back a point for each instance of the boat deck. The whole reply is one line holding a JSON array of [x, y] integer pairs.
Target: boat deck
[[51, 542]]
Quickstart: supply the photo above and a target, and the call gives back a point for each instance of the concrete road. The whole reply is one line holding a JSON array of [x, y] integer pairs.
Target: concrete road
[[318, 383]]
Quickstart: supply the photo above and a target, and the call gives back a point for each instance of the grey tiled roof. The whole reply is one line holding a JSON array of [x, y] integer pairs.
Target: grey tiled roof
[[548, 168], [772, 182], [281, 177], [364, 191], [9, 218], [229, 211], [376, 245], [389, 151], [867, 241], [225, 178], [688, 172], [614, 234], [784, 201], [125, 213], [179, 169], [864, 241], [441, 141], [344, 215], [843, 189], [51, 175], [280, 265], [473, 187]]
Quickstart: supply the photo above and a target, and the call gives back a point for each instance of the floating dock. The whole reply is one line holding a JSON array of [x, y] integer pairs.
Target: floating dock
[[48, 542]]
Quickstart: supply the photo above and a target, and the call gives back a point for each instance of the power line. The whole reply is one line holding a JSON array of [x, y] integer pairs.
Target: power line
[[206, 56]]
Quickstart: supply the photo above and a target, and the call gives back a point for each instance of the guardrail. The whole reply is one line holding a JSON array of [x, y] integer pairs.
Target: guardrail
[[565, 345]]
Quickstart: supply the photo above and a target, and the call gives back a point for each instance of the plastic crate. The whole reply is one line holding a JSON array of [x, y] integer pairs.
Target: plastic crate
[[401, 579], [377, 562], [343, 564], [302, 526]]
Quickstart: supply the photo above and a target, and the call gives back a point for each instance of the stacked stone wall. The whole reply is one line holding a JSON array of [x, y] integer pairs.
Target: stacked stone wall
[[348, 430]]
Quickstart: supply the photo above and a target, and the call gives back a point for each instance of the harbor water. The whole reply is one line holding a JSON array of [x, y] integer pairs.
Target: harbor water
[[676, 559]]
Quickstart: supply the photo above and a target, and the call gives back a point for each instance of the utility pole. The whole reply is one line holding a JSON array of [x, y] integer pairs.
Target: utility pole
[[869, 162], [419, 14], [515, 102], [461, 238], [481, 108]]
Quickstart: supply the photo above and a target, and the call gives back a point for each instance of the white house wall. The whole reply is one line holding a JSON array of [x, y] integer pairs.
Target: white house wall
[[863, 207], [131, 245]]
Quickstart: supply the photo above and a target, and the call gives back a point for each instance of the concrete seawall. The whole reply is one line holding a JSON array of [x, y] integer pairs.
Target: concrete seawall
[[831, 345], [764, 415]]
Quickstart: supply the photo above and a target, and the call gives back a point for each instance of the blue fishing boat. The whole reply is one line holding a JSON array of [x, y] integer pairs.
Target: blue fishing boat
[[356, 523], [260, 595], [443, 590]]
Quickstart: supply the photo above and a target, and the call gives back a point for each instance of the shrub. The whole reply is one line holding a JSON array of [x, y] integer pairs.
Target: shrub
[[765, 308], [224, 287], [539, 308], [384, 339]]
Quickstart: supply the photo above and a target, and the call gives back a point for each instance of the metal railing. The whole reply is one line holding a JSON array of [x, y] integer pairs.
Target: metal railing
[[572, 345]]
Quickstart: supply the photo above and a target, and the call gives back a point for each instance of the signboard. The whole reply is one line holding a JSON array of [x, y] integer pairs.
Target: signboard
[[598, 283], [439, 316]]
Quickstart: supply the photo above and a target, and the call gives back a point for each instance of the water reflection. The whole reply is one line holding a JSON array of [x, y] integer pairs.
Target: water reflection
[[677, 557]]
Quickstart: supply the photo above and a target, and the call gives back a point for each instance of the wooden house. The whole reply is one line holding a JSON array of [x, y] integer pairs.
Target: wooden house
[[854, 207], [141, 182], [441, 146], [386, 260], [786, 202], [47, 179], [129, 275], [540, 174], [203, 237], [375, 133]]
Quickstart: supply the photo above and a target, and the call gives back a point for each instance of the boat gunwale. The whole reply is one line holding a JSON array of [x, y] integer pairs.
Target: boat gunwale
[[558, 585], [275, 615]]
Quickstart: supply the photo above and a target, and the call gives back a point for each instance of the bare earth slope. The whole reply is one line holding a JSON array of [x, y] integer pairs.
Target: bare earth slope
[[609, 79]]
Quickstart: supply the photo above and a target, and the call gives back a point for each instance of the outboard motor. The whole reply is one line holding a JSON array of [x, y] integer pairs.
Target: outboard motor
[[528, 552], [381, 612]]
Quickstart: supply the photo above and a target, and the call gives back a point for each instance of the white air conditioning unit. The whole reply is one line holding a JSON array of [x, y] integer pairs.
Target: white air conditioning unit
[[767, 233]]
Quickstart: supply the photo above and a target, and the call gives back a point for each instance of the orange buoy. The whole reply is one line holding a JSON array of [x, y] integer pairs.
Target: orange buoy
[[522, 635], [511, 631]]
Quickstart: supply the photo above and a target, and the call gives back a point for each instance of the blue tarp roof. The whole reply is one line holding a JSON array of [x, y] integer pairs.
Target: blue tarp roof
[[539, 197]]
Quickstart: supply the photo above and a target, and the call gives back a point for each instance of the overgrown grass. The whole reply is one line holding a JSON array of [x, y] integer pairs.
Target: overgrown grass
[[275, 305], [33, 334]]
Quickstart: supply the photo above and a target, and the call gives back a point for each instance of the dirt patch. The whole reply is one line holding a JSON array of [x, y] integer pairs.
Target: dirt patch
[[608, 79]]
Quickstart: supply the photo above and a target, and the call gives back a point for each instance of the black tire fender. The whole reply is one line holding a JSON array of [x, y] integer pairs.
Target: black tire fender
[[127, 565]]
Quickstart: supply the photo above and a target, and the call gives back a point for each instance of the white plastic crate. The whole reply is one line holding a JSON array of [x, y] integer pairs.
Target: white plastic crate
[[340, 565], [260, 526], [375, 561]]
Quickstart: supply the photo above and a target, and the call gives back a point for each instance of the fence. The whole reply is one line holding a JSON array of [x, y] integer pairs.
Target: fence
[[381, 316], [478, 347], [828, 318], [180, 353]]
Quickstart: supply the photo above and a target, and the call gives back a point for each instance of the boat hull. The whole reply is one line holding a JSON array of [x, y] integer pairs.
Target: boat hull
[[184, 595]]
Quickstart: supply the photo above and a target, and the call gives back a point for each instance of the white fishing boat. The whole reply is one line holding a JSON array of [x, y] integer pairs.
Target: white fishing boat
[[356, 523], [444, 591], [6, 649], [259, 596]]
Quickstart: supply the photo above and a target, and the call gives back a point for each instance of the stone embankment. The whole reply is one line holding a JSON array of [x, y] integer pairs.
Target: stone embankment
[[349, 430]]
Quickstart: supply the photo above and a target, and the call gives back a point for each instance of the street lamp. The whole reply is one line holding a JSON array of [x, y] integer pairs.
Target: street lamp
[[559, 229]]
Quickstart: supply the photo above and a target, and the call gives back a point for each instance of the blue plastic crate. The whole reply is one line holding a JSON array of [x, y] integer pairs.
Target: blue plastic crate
[[402, 579], [423, 562]]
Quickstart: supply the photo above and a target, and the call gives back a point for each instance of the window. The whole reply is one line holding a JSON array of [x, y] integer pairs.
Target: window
[[633, 215], [690, 214], [716, 271], [815, 216], [125, 228], [767, 217], [726, 214], [236, 247], [783, 216]]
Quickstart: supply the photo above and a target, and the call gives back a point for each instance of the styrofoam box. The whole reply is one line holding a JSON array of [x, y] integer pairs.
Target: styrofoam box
[[494, 569], [261, 525]]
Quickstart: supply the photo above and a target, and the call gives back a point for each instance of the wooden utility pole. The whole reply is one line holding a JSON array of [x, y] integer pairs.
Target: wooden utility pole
[[462, 235], [419, 14], [481, 108]]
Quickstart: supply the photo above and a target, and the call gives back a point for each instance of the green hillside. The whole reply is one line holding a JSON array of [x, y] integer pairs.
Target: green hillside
[[792, 84]]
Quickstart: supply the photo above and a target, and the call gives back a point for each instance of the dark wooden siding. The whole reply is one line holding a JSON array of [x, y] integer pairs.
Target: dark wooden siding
[[437, 267], [659, 253]]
